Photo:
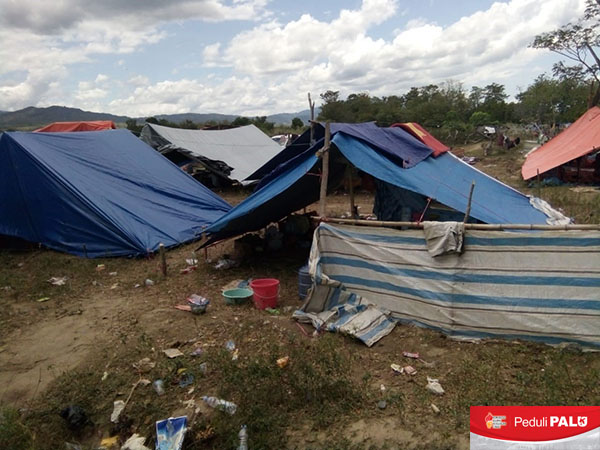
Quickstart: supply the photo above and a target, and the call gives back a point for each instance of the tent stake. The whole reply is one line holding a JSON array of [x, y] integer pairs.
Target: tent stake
[[163, 259], [468, 211], [325, 172]]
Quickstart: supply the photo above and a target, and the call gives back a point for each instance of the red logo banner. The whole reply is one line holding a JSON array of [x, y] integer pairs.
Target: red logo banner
[[533, 423]]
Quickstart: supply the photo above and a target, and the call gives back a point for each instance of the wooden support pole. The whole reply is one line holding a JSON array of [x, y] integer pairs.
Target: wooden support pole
[[468, 211], [324, 172], [539, 184], [350, 177], [311, 106], [163, 259]]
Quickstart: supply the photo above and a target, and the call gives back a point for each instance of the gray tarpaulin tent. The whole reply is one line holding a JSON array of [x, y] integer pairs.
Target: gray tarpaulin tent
[[234, 154]]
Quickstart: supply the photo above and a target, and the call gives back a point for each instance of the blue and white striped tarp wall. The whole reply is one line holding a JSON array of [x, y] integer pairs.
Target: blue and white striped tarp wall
[[542, 286]]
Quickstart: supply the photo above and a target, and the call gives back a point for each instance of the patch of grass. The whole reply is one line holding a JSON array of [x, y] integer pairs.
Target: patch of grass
[[14, 435], [315, 385]]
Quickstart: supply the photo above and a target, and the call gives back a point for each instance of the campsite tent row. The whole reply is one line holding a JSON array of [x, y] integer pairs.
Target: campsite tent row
[[108, 193]]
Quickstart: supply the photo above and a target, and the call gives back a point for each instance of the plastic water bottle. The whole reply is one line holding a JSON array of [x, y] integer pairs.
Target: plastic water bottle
[[221, 405], [243, 435]]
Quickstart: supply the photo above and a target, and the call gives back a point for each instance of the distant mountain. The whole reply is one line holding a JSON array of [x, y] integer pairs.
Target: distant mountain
[[278, 119], [33, 117], [194, 117]]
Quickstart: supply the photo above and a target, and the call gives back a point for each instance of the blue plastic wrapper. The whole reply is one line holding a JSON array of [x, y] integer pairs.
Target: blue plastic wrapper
[[170, 433]]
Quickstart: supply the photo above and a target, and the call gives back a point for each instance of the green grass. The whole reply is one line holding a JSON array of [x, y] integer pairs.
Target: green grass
[[14, 435], [316, 386]]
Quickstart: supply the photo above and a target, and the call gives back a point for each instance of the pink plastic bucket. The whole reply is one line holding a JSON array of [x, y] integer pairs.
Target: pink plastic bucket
[[266, 292]]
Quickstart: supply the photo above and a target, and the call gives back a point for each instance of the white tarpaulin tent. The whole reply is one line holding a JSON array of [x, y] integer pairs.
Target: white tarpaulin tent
[[540, 286], [244, 149]]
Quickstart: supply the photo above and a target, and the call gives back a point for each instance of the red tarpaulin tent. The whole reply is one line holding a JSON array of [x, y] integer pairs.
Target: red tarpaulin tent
[[92, 125], [580, 139]]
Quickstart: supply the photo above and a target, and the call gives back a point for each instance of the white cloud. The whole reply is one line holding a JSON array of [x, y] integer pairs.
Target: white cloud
[[267, 68]]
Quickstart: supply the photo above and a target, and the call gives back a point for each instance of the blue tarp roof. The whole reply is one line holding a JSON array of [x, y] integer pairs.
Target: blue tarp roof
[[445, 178], [99, 193]]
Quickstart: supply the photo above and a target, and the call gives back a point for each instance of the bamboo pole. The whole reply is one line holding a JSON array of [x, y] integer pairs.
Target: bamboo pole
[[351, 188], [468, 226], [468, 211], [311, 106], [325, 171]]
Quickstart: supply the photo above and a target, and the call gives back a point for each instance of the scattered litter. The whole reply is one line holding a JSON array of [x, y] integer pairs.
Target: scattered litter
[[382, 388], [112, 274], [396, 368], [187, 269], [159, 386], [410, 370], [170, 433], [203, 368], [434, 386], [172, 353], [114, 286], [137, 285], [272, 311], [43, 299], [149, 282], [225, 263], [109, 442], [71, 446], [75, 416], [187, 308], [58, 281], [135, 442], [197, 351], [100, 267], [191, 262], [197, 303], [186, 380], [469, 159], [235, 355], [382, 404], [230, 345], [282, 362], [411, 355], [243, 436], [221, 405], [144, 365], [118, 407], [435, 409]]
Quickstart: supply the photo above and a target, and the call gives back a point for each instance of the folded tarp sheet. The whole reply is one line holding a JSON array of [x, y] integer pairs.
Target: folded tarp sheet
[[540, 286], [245, 149], [98, 193], [446, 179]]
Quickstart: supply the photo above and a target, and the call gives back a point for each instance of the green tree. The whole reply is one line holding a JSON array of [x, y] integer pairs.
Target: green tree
[[297, 123], [479, 118], [578, 43]]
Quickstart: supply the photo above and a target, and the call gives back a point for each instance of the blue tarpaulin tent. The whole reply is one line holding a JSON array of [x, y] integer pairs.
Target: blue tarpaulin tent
[[388, 154], [100, 193]]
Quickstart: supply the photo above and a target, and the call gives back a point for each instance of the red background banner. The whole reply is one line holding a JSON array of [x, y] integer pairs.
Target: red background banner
[[533, 423]]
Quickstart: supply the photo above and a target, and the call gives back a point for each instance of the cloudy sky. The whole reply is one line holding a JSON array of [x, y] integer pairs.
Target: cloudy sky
[[255, 57]]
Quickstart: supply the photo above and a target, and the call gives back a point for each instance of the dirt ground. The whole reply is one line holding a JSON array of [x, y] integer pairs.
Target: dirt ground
[[79, 346]]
